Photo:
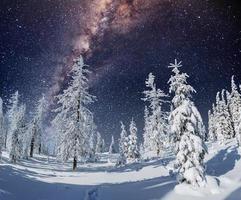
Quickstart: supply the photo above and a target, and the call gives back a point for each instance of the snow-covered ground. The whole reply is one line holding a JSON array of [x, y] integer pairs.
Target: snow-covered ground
[[43, 178]]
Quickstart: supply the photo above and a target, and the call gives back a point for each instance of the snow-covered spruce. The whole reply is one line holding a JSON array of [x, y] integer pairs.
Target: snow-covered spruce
[[12, 118], [238, 134], [221, 125], [74, 121], [133, 153], [92, 157], [155, 135], [225, 114], [225, 126], [123, 145], [211, 127], [187, 127], [36, 128], [16, 128], [112, 148], [2, 128], [99, 144], [234, 104], [18, 135]]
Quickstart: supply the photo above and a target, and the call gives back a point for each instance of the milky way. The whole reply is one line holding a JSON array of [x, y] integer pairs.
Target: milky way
[[99, 17]]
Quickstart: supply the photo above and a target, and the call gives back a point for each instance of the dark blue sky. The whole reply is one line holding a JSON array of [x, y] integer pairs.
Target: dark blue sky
[[206, 35]]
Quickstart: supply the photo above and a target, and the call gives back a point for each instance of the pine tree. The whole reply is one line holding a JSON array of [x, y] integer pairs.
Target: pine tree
[[26, 141], [37, 127], [17, 137], [123, 145], [230, 129], [214, 118], [133, 153], [234, 105], [2, 128], [12, 118], [112, 148], [186, 125], [147, 131], [223, 120], [103, 145], [99, 144], [155, 120], [92, 157], [238, 134], [211, 126], [72, 119]]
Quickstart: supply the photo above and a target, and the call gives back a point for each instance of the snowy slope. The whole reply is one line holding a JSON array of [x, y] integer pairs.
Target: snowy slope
[[43, 178]]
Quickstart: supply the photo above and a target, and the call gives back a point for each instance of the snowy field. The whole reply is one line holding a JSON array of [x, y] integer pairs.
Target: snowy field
[[42, 178]]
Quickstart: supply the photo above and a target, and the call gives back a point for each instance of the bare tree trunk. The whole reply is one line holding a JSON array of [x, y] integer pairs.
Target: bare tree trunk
[[74, 163], [31, 147], [75, 153], [6, 137], [39, 149]]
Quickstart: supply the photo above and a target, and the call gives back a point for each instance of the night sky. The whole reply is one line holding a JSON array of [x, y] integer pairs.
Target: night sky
[[122, 41]]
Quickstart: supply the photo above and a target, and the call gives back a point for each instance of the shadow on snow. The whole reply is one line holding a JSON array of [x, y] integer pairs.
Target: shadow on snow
[[18, 184], [222, 162]]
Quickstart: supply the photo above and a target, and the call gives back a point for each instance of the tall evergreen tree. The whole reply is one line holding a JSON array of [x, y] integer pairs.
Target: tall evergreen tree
[[223, 119], [211, 126], [133, 153], [99, 144], [147, 131], [155, 123], [37, 127], [72, 116], [17, 137], [123, 145], [234, 104], [238, 134], [12, 117], [186, 125], [2, 128], [112, 148]]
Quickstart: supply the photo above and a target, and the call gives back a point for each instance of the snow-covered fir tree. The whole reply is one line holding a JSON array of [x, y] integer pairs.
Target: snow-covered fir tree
[[12, 117], [123, 145], [226, 114], [234, 104], [103, 144], [229, 130], [99, 144], [186, 122], [2, 128], [214, 118], [18, 134], [91, 128], [133, 153], [223, 126], [5, 130], [36, 129], [211, 126], [72, 119], [112, 148], [147, 131], [155, 134], [238, 133]]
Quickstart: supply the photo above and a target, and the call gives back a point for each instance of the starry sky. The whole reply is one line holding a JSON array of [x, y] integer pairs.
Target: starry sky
[[122, 41]]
